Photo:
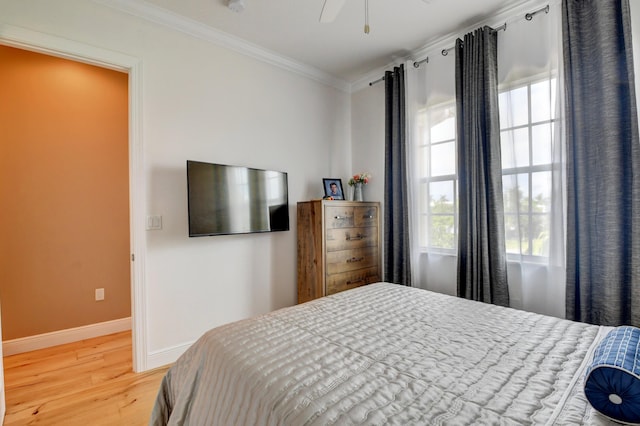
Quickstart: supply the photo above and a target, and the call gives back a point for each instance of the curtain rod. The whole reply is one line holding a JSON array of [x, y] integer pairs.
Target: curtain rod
[[502, 27], [371, 83], [529, 16], [416, 64]]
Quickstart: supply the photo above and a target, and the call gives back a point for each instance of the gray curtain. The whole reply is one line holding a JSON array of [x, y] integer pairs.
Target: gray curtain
[[397, 259], [603, 164], [482, 264]]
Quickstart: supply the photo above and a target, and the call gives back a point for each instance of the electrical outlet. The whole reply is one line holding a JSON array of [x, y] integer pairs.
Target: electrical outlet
[[99, 294]]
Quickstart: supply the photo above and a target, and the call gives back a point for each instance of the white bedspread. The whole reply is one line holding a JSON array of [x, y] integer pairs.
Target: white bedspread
[[384, 354]]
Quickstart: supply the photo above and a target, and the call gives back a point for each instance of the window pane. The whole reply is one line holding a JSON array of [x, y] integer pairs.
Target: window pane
[[510, 194], [515, 193], [540, 228], [541, 144], [514, 108], [441, 197], [442, 233], [438, 161], [524, 235], [444, 130], [540, 101], [541, 189], [443, 159], [516, 233], [514, 148]]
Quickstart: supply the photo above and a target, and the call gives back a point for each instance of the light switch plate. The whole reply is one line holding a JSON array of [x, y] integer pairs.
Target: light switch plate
[[154, 223]]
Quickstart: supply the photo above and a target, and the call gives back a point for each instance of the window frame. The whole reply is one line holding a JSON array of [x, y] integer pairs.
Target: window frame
[[425, 178]]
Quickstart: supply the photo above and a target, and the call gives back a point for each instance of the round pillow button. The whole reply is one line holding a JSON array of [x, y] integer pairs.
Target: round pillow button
[[615, 399]]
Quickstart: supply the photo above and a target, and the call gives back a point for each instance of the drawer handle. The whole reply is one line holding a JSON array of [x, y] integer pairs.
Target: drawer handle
[[339, 217], [355, 259], [368, 216], [356, 238], [360, 281]]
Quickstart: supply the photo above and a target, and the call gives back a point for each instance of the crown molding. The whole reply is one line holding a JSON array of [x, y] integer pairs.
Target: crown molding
[[158, 15], [374, 76]]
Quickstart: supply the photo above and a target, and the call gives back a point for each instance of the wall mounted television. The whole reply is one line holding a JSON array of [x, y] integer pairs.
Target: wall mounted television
[[224, 199]]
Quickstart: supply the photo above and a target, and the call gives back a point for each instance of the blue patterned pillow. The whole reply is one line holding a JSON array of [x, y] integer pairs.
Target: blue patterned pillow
[[612, 383]]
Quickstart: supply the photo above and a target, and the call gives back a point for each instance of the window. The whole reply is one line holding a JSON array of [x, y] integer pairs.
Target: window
[[438, 178], [526, 132], [527, 126]]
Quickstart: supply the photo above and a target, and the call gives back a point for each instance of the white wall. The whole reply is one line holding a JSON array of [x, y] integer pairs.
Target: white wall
[[367, 138], [204, 102]]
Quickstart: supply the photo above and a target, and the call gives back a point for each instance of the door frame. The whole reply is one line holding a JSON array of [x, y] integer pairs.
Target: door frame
[[55, 46]]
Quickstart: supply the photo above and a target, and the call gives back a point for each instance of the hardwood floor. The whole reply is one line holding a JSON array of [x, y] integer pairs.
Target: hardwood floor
[[83, 383]]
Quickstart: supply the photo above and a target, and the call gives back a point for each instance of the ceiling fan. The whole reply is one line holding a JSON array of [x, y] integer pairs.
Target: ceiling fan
[[331, 8]]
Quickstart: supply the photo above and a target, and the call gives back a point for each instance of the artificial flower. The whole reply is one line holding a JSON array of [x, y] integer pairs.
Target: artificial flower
[[360, 178]]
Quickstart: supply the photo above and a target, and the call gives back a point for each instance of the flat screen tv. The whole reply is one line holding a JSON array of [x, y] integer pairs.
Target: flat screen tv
[[227, 199]]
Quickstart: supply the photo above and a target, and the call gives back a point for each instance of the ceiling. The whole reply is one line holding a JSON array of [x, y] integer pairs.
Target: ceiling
[[291, 28]]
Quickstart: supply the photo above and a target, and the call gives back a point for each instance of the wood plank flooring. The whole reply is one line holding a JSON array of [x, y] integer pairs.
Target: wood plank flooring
[[83, 383]]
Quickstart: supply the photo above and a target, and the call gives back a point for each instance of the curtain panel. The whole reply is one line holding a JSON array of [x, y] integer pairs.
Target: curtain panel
[[603, 164], [482, 263], [532, 137], [397, 249], [529, 60]]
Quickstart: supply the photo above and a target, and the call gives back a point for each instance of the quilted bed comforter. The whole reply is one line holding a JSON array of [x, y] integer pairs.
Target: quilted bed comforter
[[384, 354]]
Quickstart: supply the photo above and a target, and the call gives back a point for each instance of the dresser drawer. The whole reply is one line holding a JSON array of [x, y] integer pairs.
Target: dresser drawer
[[351, 238], [339, 217], [350, 260], [365, 216], [353, 279]]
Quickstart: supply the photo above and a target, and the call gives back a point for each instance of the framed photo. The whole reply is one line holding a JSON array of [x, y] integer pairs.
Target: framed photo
[[333, 188]]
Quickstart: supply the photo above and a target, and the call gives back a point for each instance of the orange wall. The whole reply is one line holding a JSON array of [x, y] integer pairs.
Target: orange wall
[[64, 215]]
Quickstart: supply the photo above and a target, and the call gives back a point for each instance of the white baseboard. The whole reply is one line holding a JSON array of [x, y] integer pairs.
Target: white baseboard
[[46, 340], [166, 356]]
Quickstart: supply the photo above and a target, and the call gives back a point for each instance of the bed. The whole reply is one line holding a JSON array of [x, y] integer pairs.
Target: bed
[[384, 354]]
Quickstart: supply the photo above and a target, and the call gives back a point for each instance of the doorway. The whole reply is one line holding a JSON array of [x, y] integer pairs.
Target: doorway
[[40, 43], [64, 166]]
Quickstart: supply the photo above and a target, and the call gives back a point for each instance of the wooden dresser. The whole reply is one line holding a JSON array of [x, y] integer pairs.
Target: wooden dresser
[[339, 246]]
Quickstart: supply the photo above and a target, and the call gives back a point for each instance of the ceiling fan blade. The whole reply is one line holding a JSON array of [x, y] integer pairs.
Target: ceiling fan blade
[[330, 10]]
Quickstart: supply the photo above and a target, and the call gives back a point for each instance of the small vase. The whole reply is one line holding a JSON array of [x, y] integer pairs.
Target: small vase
[[357, 192]]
